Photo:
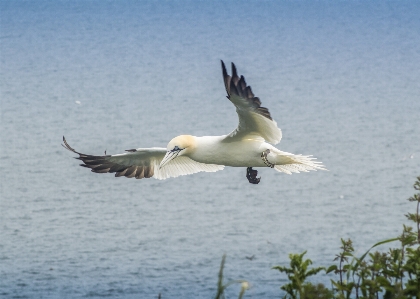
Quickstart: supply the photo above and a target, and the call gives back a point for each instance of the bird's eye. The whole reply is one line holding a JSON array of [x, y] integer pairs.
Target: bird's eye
[[176, 148]]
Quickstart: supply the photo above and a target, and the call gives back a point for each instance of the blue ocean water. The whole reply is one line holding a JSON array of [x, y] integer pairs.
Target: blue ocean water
[[342, 80]]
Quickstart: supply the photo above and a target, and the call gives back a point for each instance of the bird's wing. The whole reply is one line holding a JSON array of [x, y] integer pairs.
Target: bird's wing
[[254, 120], [142, 163]]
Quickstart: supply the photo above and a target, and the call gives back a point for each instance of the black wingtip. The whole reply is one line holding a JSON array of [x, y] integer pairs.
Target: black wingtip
[[235, 77], [67, 146], [236, 85], [223, 69], [234, 69]]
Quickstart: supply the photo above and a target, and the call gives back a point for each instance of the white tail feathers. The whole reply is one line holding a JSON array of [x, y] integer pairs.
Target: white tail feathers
[[298, 163]]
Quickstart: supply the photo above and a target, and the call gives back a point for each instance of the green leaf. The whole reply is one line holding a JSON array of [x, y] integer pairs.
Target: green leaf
[[332, 268], [383, 281], [356, 266]]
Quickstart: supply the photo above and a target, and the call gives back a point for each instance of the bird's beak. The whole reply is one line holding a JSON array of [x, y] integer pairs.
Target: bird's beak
[[170, 155]]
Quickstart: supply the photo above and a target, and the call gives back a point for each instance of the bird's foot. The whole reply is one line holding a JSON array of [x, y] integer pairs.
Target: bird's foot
[[251, 175]]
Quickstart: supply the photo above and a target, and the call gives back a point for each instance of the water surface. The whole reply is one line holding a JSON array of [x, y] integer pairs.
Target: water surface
[[340, 78]]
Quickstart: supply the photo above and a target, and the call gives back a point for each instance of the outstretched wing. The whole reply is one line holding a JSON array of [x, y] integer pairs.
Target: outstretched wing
[[254, 120], [142, 163]]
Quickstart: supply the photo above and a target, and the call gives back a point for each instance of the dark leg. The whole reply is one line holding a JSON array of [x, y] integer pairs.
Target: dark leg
[[264, 158], [251, 175]]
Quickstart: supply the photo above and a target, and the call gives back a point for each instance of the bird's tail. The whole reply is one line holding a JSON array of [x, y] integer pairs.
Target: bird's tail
[[289, 163]]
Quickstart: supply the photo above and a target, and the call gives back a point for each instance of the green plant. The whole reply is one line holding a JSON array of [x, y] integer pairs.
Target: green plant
[[412, 241], [297, 274], [221, 287], [394, 274], [343, 286]]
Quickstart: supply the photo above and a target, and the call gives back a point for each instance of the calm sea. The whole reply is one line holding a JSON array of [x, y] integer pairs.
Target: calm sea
[[341, 78]]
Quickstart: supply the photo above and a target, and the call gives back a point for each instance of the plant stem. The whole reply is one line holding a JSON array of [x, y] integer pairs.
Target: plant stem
[[418, 222], [341, 277]]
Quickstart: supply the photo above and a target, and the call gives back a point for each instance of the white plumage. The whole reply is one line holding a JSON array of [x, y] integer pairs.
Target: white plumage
[[246, 146]]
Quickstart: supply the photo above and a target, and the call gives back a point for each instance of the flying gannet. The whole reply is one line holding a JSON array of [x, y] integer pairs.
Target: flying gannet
[[246, 146]]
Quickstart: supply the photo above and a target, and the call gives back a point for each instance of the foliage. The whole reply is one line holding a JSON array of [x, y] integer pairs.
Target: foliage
[[393, 274], [221, 287], [297, 274]]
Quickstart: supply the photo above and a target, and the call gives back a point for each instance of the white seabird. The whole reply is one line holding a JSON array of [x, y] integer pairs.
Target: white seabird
[[246, 146]]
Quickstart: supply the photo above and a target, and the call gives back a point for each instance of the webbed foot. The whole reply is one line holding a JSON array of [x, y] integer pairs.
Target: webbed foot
[[251, 175]]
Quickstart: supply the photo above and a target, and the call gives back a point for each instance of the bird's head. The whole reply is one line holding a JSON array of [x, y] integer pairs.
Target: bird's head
[[178, 146]]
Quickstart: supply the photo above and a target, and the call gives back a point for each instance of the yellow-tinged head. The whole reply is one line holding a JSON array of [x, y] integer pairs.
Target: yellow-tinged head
[[178, 146]]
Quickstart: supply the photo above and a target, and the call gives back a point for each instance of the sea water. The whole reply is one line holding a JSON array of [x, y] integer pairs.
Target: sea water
[[342, 80]]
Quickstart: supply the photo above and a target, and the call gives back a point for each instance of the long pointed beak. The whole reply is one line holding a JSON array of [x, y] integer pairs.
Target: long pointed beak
[[170, 155]]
